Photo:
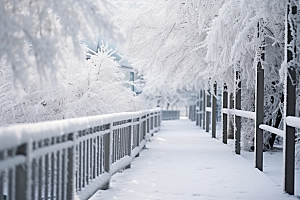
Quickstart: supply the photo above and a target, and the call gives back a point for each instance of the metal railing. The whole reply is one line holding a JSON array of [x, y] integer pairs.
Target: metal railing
[[70, 159], [291, 122], [170, 114], [232, 105]]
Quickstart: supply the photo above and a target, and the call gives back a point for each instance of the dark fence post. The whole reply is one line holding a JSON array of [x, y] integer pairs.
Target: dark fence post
[[225, 105], [71, 168], [23, 175], [207, 113], [107, 153], [200, 108], [130, 133], [197, 110], [289, 153], [259, 110], [237, 119], [204, 109], [214, 111]]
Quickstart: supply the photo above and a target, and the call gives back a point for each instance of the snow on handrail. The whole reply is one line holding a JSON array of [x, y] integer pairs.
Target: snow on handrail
[[208, 109], [18, 134], [241, 113], [293, 121], [272, 130]]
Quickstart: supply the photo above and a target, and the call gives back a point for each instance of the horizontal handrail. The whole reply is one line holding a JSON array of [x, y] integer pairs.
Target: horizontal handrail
[[22, 133], [272, 130], [240, 113]]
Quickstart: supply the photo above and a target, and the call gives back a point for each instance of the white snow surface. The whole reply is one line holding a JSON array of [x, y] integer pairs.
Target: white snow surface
[[184, 162]]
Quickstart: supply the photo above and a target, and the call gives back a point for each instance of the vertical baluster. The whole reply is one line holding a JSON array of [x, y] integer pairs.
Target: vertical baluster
[[1, 177], [107, 154], [11, 177], [102, 154], [92, 163], [64, 171], [117, 144], [53, 166], [87, 160], [83, 163], [124, 141], [96, 170], [33, 178], [80, 173], [46, 189], [58, 175], [23, 174], [114, 146], [1, 183], [10, 184], [77, 164], [70, 187], [40, 177], [95, 153], [121, 143]]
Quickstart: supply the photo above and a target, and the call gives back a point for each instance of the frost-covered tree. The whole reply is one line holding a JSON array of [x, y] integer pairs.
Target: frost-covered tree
[[188, 42], [38, 29], [233, 45], [163, 38]]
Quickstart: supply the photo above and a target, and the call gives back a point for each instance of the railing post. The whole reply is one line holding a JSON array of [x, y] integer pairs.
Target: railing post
[[129, 139], [204, 109], [237, 119], [200, 109], [71, 168], [259, 110], [197, 111], [214, 111], [207, 113], [107, 153], [139, 131], [230, 117], [225, 122], [290, 98], [23, 174]]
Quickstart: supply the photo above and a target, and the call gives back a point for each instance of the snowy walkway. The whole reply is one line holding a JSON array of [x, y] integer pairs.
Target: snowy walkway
[[183, 162]]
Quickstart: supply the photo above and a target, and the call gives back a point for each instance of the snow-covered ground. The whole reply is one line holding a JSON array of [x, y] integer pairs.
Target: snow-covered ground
[[184, 162]]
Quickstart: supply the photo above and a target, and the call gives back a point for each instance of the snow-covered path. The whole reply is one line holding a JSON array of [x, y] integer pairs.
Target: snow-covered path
[[183, 162]]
